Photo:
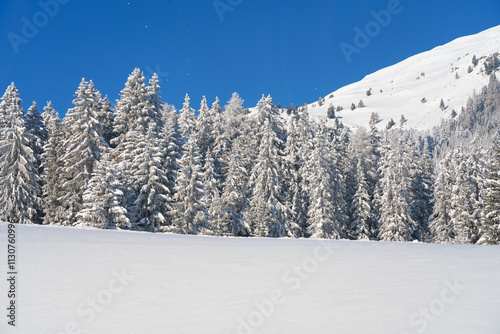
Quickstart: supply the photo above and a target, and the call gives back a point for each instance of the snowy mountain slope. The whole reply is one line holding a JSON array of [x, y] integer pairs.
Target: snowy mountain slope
[[101, 281], [399, 89]]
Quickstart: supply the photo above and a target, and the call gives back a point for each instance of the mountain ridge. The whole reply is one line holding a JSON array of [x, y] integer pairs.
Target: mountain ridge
[[415, 86]]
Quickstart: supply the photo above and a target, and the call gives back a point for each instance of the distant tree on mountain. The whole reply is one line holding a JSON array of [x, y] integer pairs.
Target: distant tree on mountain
[[353, 106], [442, 105], [330, 112], [402, 120], [361, 104], [474, 60], [390, 124], [374, 119]]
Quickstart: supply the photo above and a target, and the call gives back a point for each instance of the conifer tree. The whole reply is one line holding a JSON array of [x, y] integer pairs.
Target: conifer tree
[[396, 223], [173, 150], [464, 201], [440, 224], [37, 131], [19, 180], [299, 139], [51, 165], [190, 215], [491, 194], [149, 210], [83, 145], [326, 209], [102, 199], [235, 193], [134, 109], [361, 207], [267, 212], [106, 118], [187, 120]]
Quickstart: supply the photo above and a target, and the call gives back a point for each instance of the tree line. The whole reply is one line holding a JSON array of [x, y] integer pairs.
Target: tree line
[[230, 171]]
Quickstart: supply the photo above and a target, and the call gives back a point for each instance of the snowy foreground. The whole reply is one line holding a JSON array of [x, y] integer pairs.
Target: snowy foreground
[[101, 281]]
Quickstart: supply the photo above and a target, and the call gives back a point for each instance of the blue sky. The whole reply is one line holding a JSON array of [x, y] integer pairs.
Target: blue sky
[[289, 49]]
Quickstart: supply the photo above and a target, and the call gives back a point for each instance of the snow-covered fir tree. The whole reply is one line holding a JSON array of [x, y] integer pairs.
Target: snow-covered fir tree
[[440, 224], [234, 198], [326, 214], [298, 149], [464, 201], [395, 222], [422, 184], [36, 128], [172, 141], [187, 122], [361, 207], [491, 194], [149, 210], [189, 211], [134, 110], [20, 193], [102, 199], [267, 213], [83, 145], [106, 118], [51, 165]]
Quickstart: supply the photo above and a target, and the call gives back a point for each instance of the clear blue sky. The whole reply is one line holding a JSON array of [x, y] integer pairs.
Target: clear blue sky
[[289, 49]]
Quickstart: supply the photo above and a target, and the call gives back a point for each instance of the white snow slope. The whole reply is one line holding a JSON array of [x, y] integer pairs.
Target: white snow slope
[[93, 281], [402, 92]]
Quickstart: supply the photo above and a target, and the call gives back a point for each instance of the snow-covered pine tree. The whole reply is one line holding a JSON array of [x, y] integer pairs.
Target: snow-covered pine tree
[[134, 109], [20, 195], [440, 225], [491, 194], [361, 207], [155, 101], [83, 145], [149, 210], [396, 223], [36, 128], [299, 137], [203, 128], [422, 188], [189, 213], [51, 165], [326, 213], [463, 201], [102, 199], [172, 140], [267, 213], [106, 118], [364, 149], [187, 122], [233, 117], [235, 193]]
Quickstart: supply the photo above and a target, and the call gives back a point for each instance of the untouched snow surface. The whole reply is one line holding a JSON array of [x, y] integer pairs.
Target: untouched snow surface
[[92, 281], [402, 92]]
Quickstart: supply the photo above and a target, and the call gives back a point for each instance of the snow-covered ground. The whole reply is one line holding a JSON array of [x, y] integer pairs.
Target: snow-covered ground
[[398, 90], [74, 280]]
